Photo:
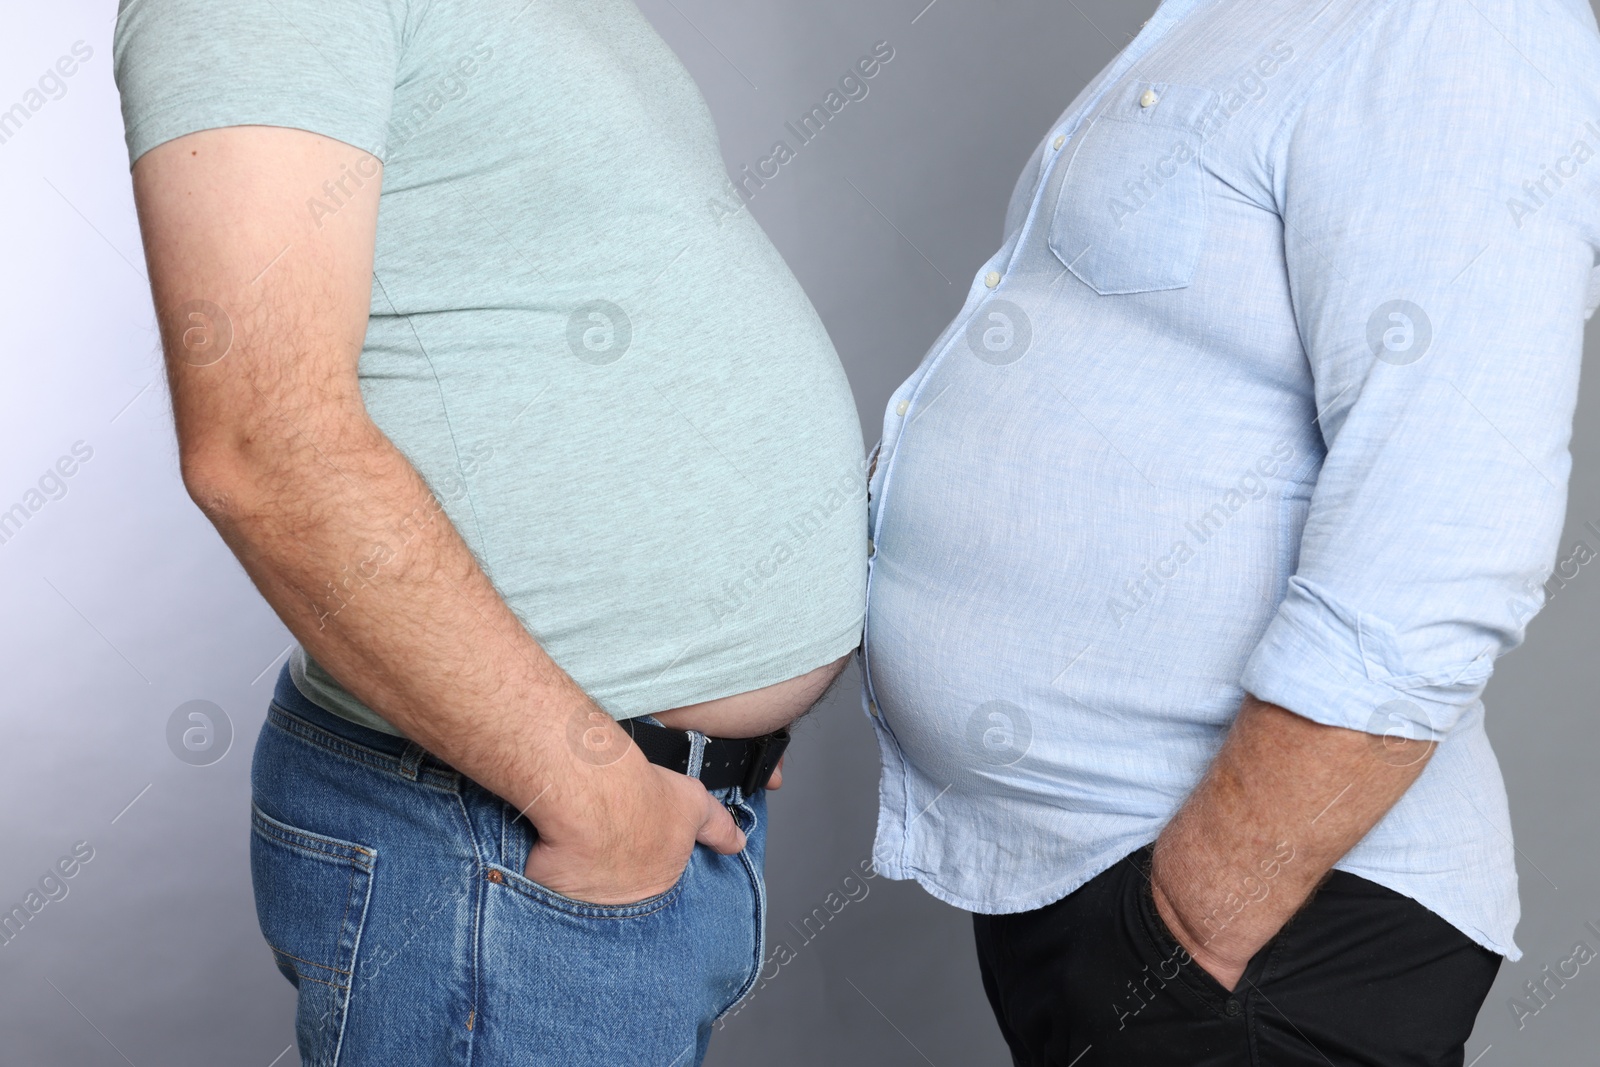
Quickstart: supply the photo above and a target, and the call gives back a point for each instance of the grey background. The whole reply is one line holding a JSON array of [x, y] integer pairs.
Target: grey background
[[120, 603]]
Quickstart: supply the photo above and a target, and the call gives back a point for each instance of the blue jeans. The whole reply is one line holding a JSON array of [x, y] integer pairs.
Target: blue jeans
[[391, 892]]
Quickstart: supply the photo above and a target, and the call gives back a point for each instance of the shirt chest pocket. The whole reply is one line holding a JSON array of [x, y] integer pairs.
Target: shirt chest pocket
[[1130, 215]]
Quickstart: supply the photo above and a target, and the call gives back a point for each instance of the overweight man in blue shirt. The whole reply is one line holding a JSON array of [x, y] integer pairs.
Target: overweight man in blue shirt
[[1197, 534]]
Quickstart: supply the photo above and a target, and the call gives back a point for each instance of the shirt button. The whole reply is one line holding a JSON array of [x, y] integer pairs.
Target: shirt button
[[1058, 142], [992, 279], [1233, 1007], [872, 548], [1149, 98], [902, 407]]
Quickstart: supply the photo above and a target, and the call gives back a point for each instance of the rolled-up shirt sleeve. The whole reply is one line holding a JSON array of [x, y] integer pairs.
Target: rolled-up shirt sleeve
[[1440, 231]]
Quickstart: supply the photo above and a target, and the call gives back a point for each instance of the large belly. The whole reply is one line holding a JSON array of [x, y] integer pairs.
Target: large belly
[[760, 711]]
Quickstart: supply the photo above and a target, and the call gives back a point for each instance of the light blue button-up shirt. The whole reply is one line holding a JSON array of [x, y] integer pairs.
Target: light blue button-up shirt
[[1269, 390]]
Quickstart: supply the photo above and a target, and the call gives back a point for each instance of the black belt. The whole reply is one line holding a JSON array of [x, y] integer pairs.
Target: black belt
[[746, 762]]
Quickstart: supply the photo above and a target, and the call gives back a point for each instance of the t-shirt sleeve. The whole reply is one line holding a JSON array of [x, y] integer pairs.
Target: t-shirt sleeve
[[326, 66]]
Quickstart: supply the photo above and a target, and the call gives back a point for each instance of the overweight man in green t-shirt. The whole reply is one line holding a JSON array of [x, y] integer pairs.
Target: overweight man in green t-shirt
[[545, 460]]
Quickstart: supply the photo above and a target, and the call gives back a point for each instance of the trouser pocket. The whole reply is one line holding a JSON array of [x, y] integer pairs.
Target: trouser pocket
[[1361, 977], [1089, 972], [1173, 962], [311, 896]]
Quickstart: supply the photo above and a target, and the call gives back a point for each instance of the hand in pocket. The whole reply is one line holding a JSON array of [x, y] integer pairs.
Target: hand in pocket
[[629, 834]]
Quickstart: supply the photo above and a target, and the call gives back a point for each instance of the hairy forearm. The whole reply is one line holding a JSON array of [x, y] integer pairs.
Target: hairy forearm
[[345, 540], [1284, 800], [264, 315]]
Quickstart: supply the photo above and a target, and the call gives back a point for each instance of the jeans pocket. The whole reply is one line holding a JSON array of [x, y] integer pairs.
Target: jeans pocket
[[311, 896], [628, 984], [1131, 213], [549, 898], [518, 842]]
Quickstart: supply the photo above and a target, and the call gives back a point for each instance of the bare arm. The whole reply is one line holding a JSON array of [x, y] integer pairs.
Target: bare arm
[[1283, 802], [277, 449]]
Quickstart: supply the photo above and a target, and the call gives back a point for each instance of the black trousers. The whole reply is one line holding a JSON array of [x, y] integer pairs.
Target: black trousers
[[1361, 976]]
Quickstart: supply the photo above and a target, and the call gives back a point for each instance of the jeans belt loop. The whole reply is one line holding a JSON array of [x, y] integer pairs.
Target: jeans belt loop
[[697, 753], [411, 761]]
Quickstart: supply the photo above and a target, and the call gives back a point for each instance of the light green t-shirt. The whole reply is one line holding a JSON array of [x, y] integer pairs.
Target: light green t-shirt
[[612, 382]]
